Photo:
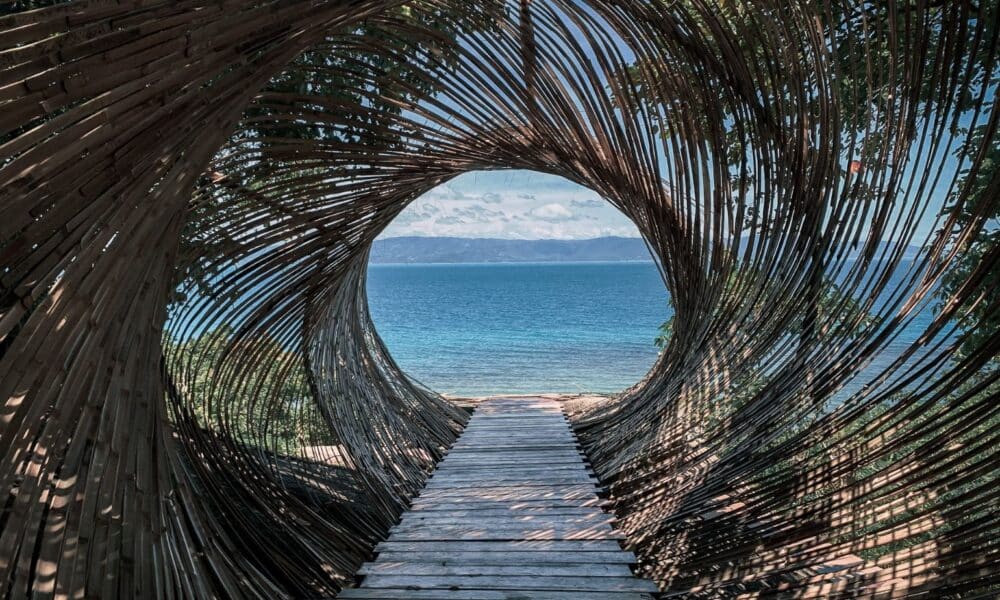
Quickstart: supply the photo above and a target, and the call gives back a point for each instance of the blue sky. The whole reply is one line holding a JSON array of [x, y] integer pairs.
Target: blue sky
[[511, 205]]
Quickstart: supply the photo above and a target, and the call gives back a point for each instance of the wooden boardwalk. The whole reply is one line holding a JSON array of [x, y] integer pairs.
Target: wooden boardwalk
[[511, 513]]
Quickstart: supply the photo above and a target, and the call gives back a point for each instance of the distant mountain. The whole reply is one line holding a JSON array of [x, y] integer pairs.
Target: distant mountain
[[414, 249], [480, 250]]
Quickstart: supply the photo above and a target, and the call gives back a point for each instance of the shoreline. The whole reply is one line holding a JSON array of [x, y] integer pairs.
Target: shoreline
[[512, 262], [574, 402]]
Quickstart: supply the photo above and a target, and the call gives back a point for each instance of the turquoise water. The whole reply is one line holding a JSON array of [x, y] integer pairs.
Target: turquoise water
[[476, 329]]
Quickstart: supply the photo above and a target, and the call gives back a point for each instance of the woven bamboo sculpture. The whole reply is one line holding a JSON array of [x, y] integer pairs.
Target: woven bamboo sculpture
[[172, 169]]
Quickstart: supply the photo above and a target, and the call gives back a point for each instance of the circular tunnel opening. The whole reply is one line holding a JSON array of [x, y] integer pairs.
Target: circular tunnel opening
[[517, 282]]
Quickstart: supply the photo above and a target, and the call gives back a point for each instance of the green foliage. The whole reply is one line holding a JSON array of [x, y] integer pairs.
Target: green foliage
[[980, 315], [270, 406], [666, 330], [979, 318]]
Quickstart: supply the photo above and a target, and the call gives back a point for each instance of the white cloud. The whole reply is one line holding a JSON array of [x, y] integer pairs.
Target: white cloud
[[552, 212]]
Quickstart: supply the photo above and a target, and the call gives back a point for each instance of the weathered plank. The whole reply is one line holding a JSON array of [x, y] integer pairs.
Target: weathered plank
[[537, 546], [473, 504], [403, 566], [460, 533], [491, 517], [511, 493], [512, 512], [449, 482], [409, 594], [513, 557], [491, 582]]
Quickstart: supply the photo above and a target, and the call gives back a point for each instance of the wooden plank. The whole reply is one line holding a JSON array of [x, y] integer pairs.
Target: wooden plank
[[514, 455], [512, 461], [450, 569], [502, 520], [502, 477], [520, 492], [572, 457], [482, 504], [512, 512], [498, 480], [532, 443], [566, 467], [502, 432], [396, 594], [491, 474], [470, 502], [446, 481], [459, 533], [489, 582], [458, 514], [525, 462], [537, 546], [510, 557]]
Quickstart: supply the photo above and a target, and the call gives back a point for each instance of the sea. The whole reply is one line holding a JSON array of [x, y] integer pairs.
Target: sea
[[520, 328], [512, 328]]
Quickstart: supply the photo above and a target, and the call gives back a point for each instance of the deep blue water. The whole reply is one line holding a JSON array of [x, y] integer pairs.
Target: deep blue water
[[476, 329]]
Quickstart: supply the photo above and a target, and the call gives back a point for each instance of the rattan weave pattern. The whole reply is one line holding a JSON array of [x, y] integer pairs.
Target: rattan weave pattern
[[762, 149]]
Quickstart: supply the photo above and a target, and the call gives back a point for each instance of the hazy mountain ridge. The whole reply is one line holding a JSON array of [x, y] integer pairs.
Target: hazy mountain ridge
[[415, 249]]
